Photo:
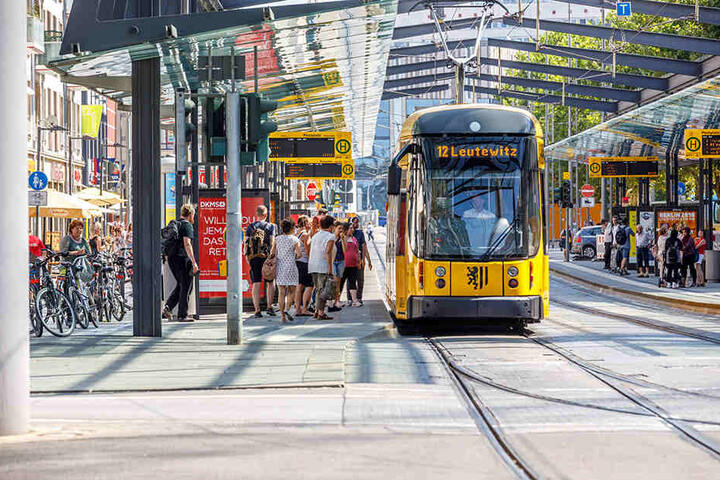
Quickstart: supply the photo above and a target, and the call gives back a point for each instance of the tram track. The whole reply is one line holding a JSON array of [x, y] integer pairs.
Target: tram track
[[681, 426], [664, 327], [483, 416]]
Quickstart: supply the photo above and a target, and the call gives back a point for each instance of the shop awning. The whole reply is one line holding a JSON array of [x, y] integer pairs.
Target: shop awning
[[62, 205], [103, 199]]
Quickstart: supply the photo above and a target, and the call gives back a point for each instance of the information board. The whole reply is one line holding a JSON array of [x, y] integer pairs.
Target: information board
[[310, 147], [614, 167], [310, 171], [702, 143]]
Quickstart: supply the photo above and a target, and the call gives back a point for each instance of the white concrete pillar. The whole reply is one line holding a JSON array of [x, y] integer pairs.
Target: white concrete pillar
[[14, 321]]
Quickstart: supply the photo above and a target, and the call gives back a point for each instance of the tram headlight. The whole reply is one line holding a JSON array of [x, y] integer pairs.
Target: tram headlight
[[440, 283], [513, 271], [513, 283], [440, 272]]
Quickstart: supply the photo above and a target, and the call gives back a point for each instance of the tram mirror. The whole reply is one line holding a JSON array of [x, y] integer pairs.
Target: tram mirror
[[393, 179]]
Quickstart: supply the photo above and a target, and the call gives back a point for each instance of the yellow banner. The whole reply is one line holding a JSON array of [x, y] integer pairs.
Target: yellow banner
[[90, 118]]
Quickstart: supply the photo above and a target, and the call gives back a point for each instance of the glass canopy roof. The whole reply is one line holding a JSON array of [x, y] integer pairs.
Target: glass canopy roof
[[325, 70], [659, 125]]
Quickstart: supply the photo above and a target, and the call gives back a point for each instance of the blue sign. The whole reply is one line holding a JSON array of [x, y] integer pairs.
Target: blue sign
[[623, 9], [170, 190], [38, 180], [681, 188]]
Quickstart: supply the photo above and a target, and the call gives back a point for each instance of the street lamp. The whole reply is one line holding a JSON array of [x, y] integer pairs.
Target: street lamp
[[69, 159], [53, 127]]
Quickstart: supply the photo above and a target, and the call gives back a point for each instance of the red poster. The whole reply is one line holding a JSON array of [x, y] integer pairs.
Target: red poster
[[211, 238]]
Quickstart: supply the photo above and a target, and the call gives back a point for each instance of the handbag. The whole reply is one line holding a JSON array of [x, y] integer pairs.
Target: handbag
[[328, 290], [269, 268]]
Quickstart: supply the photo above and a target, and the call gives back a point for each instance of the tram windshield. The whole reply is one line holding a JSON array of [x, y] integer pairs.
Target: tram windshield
[[481, 198]]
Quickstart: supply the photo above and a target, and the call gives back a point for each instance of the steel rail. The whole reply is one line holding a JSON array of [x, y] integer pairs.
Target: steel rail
[[682, 427], [484, 418]]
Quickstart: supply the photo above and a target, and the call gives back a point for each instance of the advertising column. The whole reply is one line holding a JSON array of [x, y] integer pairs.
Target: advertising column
[[211, 236]]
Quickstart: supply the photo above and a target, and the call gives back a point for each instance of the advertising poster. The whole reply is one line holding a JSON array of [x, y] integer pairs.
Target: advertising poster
[[669, 218], [647, 220], [211, 238], [632, 222], [170, 189]]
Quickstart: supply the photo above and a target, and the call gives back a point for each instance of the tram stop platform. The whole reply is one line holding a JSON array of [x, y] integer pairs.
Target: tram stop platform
[[591, 273], [305, 352]]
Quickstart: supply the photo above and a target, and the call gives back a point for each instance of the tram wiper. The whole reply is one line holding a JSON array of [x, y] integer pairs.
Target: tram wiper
[[500, 239]]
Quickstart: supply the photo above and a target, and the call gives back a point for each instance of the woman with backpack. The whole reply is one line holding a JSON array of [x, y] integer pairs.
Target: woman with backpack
[[689, 256], [672, 254]]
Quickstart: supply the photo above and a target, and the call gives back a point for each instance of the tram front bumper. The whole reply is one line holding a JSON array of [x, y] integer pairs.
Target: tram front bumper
[[474, 308]]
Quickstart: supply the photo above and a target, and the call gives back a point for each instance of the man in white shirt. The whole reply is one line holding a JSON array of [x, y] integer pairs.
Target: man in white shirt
[[479, 221], [320, 261], [609, 232]]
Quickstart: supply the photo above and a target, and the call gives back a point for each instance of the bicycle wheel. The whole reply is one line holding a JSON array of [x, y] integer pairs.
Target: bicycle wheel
[[118, 307], [55, 312], [82, 315], [36, 326], [93, 310]]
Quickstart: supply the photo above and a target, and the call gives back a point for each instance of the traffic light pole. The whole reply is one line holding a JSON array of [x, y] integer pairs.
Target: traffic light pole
[[234, 220]]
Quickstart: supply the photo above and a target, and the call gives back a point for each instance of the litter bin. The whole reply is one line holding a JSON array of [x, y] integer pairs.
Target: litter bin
[[169, 285], [712, 265]]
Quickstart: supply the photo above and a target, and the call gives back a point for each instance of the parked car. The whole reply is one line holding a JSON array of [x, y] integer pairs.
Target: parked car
[[584, 242]]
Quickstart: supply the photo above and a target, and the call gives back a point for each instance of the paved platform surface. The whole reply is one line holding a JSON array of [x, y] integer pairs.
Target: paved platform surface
[[592, 273], [195, 356]]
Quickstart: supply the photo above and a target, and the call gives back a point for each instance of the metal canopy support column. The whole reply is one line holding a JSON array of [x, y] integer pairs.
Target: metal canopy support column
[[147, 222], [706, 200], [14, 321], [195, 195]]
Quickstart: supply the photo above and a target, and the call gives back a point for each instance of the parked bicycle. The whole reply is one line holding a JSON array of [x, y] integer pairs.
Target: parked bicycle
[[54, 309]]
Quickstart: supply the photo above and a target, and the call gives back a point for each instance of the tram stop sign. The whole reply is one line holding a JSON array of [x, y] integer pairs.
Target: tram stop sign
[[311, 191], [587, 191]]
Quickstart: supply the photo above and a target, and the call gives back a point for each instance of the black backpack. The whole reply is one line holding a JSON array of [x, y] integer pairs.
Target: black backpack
[[170, 238], [621, 236], [672, 255]]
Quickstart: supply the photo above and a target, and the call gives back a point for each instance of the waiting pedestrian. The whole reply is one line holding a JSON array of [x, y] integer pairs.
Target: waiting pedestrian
[[563, 239], [97, 243], [182, 263], [129, 236], [689, 257], [608, 240], [341, 230], [643, 242], [351, 272], [118, 239], [304, 289], [700, 245], [659, 253], [622, 240], [364, 259], [287, 250], [73, 243], [35, 247], [259, 239], [672, 255], [322, 246]]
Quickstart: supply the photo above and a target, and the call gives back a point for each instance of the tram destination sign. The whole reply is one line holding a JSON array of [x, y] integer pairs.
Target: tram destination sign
[[616, 167], [320, 171], [310, 147], [702, 143]]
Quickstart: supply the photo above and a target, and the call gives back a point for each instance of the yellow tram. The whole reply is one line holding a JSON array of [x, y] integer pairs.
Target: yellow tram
[[466, 227]]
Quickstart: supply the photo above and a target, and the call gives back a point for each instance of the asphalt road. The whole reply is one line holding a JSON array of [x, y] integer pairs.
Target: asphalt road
[[581, 395]]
